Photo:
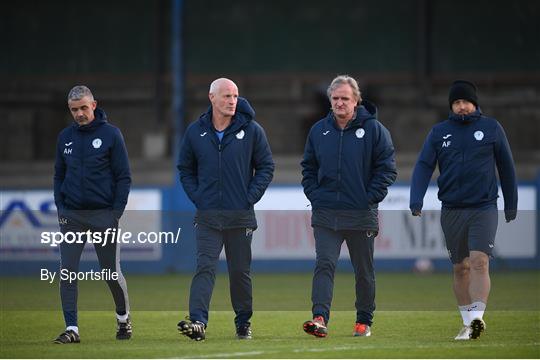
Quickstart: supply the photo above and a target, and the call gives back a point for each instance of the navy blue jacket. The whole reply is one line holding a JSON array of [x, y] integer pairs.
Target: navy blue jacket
[[92, 169], [346, 173], [225, 179], [466, 148]]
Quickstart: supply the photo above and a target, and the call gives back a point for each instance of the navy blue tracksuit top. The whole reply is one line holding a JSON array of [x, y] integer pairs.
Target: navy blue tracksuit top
[[224, 179], [91, 171], [347, 172], [467, 148]]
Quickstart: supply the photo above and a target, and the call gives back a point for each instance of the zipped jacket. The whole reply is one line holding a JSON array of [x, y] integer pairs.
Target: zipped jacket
[[347, 172], [466, 148], [224, 179]]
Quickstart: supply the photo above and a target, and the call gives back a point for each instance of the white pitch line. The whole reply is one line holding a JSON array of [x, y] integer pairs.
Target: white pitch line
[[225, 355], [456, 345]]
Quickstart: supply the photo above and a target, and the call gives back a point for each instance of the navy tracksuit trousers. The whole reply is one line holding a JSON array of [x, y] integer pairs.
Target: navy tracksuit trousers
[[328, 245], [237, 244], [108, 257]]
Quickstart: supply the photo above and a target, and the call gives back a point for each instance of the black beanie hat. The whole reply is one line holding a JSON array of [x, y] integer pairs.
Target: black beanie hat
[[462, 89]]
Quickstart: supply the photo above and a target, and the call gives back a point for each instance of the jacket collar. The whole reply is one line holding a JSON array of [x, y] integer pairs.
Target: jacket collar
[[100, 118], [366, 111], [243, 115], [464, 119]]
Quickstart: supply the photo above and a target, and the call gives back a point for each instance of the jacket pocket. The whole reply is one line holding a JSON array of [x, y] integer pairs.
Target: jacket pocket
[[313, 195], [449, 157], [196, 197], [481, 153]]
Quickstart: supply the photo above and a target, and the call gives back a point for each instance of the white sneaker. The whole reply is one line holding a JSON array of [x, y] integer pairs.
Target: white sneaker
[[464, 333], [477, 326]]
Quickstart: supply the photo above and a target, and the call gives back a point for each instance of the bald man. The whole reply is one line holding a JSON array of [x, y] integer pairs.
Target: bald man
[[225, 167]]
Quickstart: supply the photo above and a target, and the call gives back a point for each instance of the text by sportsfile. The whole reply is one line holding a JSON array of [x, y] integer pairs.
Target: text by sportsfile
[[71, 276]]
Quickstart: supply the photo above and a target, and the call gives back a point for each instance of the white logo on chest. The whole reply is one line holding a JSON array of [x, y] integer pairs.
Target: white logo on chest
[[478, 135], [240, 135], [360, 133], [96, 143], [66, 150]]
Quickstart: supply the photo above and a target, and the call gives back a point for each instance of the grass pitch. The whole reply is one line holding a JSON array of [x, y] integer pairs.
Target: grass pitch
[[416, 317]]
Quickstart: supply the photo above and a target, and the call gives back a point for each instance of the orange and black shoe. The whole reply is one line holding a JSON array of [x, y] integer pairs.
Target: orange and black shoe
[[316, 327], [361, 330]]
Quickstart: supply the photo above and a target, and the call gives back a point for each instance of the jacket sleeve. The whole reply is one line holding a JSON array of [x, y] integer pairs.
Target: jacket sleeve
[[425, 165], [263, 164], [384, 171], [121, 173], [507, 174], [187, 166], [310, 167], [59, 175]]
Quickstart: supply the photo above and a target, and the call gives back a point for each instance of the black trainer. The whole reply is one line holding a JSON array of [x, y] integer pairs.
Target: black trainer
[[123, 329], [244, 331], [477, 328], [67, 337], [194, 330]]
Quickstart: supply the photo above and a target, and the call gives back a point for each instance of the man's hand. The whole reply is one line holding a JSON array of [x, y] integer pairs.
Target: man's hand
[[510, 215], [416, 212]]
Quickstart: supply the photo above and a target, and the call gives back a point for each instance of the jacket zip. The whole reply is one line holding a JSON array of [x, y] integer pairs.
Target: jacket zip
[[81, 146], [339, 173], [463, 149], [220, 183]]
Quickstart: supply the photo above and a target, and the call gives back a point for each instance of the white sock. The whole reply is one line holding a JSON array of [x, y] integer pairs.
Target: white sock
[[74, 328], [476, 310], [122, 318], [465, 314]]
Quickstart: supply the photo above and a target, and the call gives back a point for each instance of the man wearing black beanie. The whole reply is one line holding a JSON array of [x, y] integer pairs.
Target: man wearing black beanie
[[464, 90], [467, 147]]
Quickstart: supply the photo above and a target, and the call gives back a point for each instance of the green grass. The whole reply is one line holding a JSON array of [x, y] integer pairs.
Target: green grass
[[416, 317]]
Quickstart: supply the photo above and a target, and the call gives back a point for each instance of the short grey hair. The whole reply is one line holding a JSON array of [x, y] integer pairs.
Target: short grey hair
[[341, 80], [78, 92], [216, 84]]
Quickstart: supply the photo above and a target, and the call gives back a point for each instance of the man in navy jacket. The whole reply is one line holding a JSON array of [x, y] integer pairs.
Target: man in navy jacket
[[348, 166], [225, 167], [467, 147], [91, 187]]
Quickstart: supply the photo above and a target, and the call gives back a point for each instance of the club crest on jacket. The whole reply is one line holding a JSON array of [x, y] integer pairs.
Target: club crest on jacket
[[96, 143], [478, 135]]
